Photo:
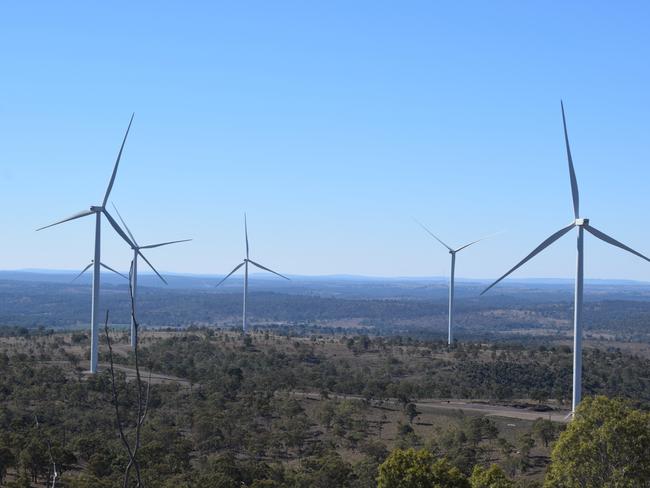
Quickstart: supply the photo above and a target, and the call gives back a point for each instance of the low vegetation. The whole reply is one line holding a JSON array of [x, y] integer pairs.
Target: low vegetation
[[316, 411]]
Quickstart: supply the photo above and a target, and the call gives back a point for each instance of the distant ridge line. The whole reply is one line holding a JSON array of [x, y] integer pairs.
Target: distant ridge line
[[34, 272]]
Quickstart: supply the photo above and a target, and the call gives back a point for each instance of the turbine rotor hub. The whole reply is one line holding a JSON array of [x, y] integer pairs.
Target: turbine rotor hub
[[96, 209], [581, 222]]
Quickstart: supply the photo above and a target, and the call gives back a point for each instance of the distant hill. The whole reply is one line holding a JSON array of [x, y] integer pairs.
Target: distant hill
[[350, 286], [531, 309]]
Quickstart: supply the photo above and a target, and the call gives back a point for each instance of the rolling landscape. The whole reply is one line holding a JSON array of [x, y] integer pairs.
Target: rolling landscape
[[524, 310], [324, 244], [334, 375]]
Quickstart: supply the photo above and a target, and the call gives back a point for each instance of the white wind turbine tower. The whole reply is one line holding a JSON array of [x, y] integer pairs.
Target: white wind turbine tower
[[134, 270], [452, 253], [98, 211], [245, 264], [581, 224]]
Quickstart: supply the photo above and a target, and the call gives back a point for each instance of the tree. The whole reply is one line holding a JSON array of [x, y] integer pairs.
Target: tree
[[606, 445], [492, 477], [131, 446], [525, 443], [22, 481], [539, 395], [34, 458], [418, 469], [477, 429], [86, 480], [374, 449], [544, 430], [406, 436], [365, 473], [323, 471], [411, 411], [6, 460], [505, 447], [100, 464]]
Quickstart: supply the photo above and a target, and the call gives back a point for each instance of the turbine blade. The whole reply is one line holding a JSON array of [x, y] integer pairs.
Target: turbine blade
[[572, 173], [609, 240], [82, 272], [477, 240], [117, 163], [231, 273], [433, 235], [267, 269], [111, 269], [118, 229], [75, 216], [535, 252], [151, 246], [124, 224], [151, 266], [246, 234]]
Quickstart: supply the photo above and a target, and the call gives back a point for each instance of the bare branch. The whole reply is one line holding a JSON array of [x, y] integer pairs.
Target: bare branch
[[115, 399], [141, 408], [146, 400], [142, 402]]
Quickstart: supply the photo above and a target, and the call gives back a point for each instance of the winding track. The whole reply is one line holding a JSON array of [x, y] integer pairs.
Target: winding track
[[467, 406]]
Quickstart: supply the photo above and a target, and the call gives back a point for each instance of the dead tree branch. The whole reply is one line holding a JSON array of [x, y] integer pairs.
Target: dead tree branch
[[142, 400], [116, 405]]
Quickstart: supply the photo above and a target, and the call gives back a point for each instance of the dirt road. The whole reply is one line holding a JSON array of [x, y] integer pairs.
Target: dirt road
[[467, 406]]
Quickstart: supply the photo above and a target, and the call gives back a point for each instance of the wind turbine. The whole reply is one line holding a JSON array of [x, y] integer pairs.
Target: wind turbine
[[245, 264], [134, 270], [98, 210], [452, 253], [103, 266], [581, 224]]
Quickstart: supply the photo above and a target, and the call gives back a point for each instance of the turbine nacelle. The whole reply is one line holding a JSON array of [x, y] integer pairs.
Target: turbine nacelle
[[245, 262], [582, 225], [452, 253], [130, 240], [98, 210]]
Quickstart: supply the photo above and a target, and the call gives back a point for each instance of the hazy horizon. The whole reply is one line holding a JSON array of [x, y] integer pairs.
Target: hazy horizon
[[334, 276]]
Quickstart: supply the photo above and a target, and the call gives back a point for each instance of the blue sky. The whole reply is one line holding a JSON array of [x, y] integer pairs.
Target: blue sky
[[332, 124]]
